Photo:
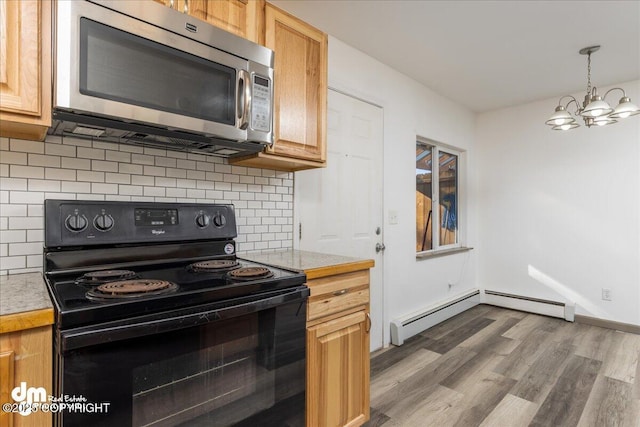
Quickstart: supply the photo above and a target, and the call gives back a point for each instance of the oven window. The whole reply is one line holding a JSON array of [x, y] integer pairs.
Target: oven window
[[244, 371], [122, 67]]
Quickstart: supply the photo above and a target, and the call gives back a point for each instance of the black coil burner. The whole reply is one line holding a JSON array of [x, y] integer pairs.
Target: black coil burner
[[213, 265], [104, 276], [250, 273], [127, 289]]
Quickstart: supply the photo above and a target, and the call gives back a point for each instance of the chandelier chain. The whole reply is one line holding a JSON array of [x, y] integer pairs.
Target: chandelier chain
[[588, 73]]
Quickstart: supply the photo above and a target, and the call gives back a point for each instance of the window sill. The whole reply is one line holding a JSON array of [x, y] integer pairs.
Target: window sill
[[443, 252]]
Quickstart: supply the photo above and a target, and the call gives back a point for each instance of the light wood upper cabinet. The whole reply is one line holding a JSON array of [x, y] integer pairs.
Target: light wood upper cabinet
[[300, 86], [25, 68], [244, 18]]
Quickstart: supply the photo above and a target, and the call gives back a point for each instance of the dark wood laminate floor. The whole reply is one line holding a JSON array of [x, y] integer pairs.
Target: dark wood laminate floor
[[491, 366]]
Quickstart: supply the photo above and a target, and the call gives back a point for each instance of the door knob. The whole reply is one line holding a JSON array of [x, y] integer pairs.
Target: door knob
[[380, 247]]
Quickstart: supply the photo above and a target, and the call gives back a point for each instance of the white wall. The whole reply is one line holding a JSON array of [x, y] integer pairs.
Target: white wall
[[410, 109], [558, 212]]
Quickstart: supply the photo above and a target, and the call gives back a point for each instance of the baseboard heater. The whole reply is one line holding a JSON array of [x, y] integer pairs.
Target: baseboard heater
[[414, 323], [531, 305]]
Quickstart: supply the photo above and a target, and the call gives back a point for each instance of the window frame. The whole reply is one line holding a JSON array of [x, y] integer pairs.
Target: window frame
[[437, 248]]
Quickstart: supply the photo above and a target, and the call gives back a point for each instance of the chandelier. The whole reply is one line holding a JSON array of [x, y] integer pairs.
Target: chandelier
[[594, 109]]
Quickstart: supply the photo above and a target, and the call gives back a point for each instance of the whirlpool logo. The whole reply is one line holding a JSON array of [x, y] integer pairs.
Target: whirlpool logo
[[157, 232]]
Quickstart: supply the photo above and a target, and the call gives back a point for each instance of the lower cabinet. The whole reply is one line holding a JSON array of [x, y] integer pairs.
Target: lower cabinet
[[338, 329], [25, 356], [338, 366]]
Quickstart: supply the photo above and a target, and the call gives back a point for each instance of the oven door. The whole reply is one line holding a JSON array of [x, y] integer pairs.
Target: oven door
[[234, 363], [110, 64]]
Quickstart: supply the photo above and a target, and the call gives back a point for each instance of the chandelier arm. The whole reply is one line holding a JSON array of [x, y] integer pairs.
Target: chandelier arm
[[566, 107], [624, 94]]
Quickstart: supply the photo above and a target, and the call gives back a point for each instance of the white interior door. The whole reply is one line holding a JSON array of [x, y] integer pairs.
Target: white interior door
[[339, 208]]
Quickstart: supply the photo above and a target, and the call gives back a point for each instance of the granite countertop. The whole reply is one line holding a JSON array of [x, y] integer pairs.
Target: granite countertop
[[24, 302], [314, 264]]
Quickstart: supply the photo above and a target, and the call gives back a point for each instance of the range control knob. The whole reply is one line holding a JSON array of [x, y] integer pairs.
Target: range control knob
[[76, 222], [202, 220], [219, 220], [103, 222]]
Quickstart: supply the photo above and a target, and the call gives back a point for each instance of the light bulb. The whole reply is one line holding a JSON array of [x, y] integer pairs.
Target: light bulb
[[625, 114], [559, 121], [565, 127], [597, 112], [601, 122]]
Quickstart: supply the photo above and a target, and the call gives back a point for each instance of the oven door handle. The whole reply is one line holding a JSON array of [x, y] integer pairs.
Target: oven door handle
[[94, 335]]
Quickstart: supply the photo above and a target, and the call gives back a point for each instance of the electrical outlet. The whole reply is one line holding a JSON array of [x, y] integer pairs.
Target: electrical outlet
[[606, 294]]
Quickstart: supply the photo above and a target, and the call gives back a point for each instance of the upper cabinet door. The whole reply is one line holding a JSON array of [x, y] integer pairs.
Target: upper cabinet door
[[25, 68], [244, 18], [240, 17], [300, 85]]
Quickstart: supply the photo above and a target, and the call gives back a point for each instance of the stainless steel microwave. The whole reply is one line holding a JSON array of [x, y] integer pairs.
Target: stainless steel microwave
[[141, 73]]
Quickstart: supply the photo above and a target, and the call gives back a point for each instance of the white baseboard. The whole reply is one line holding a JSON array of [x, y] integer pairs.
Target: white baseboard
[[414, 323], [528, 304]]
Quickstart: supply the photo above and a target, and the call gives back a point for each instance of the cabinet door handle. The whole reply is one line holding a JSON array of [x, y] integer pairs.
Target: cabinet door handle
[[368, 323], [171, 4], [340, 292], [186, 6]]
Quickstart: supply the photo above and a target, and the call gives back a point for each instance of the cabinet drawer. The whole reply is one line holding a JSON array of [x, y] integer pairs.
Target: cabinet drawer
[[337, 293]]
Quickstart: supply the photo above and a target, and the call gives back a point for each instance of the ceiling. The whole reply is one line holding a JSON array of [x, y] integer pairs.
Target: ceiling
[[488, 55]]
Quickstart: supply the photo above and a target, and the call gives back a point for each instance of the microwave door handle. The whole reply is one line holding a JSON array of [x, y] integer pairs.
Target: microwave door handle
[[244, 98]]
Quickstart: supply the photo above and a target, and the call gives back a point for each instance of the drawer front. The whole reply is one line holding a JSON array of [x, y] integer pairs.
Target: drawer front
[[337, 293]]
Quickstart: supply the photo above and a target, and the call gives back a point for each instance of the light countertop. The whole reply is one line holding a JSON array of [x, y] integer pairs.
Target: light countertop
[[314, 264], [24, 302]]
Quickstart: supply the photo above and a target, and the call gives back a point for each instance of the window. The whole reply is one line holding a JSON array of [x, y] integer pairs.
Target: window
[[437, 185]]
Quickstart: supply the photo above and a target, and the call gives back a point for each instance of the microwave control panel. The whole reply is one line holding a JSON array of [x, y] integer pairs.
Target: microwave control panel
[[261, 104]]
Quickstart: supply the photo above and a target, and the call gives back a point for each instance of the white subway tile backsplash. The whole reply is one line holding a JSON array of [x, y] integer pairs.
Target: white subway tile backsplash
[[14, 183], [13, 210], [142, 180], [142, 159], [131, 149], [44, 160], [198, 175], [43, 185], [60, 174], [130, 169], [117, 178], [176, 192], [204, 166], [35, 236], [35, 210], [99, 188], [25, 223], [176, 173], [130, 190], [76, 187], [90, 153], [25, 146], [13, 158], [75, 163], [117, 156], [18, 171], [73, 168], [60, 150], [16, 249], [90, 176], [34, 261], [27, 197], [13, 236], [154, 191], [9, 263], [104, 166]]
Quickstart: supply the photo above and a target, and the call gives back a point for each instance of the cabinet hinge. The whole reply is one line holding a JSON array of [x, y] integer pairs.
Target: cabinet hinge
[[299, 231]]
